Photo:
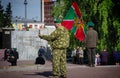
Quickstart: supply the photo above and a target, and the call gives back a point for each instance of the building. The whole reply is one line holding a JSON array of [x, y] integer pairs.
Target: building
[[48, 5], [46, 17], [20, 25]]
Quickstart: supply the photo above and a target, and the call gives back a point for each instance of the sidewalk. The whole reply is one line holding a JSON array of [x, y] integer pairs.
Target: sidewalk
[[27, 69], [30, 65], [22, 66]]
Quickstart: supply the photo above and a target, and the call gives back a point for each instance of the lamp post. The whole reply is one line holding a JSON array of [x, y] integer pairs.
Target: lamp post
[[25, 3], [16, 18]]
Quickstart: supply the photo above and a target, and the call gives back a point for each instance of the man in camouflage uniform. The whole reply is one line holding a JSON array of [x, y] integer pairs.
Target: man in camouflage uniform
[[59, 42]]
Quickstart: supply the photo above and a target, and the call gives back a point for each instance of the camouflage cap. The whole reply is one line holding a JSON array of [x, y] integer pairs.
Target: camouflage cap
[[57, 21]]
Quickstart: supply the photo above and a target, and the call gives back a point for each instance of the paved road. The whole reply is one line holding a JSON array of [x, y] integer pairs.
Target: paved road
[[73, 71], [27, 69]]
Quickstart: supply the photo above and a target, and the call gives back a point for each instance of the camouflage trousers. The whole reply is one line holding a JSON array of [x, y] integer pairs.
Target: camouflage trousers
[[59, 61]]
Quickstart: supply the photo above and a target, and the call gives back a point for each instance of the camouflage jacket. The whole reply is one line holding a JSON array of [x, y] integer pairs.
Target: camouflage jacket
[[59, 38]]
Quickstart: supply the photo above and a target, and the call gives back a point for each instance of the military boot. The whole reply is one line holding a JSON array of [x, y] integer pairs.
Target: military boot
[[63, 76]]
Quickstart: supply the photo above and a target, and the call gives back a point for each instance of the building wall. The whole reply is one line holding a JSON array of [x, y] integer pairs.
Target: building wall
[[28, 42], [48, 19], [46, 0], [6, 38], [0, 38]]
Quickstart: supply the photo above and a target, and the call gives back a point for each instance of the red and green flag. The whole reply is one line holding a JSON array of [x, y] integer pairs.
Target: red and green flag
[[72, 21]]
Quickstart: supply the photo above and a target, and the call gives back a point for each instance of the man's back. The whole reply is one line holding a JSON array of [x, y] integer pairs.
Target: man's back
[[41, 51], [92, 38]]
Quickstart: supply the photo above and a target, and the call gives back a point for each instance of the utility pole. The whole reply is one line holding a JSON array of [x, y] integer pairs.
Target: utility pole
[[25, 3], [42, 10]]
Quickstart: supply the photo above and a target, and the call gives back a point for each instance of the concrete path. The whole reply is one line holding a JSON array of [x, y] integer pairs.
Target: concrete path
[[27, 69], [44, 71]]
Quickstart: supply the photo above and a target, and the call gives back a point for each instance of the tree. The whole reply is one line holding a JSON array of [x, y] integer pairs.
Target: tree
[[114, 34], [1, 15], [8, 15], [105, 15]]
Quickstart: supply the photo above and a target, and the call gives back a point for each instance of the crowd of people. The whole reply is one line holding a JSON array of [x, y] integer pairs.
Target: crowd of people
[[77, 55], [101, 58], [59, 42], [104, 57], [11, 55]]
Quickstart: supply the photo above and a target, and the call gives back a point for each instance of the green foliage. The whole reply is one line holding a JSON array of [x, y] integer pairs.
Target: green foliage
[[8, 16], [5, 16], [116, 25], [1, 15], [61, 8], [105, 15]]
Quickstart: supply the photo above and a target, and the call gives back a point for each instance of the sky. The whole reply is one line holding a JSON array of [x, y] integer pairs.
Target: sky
[[18, 8]]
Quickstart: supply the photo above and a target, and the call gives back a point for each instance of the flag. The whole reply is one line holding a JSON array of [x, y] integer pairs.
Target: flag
[[72, 21], [80, 34]]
